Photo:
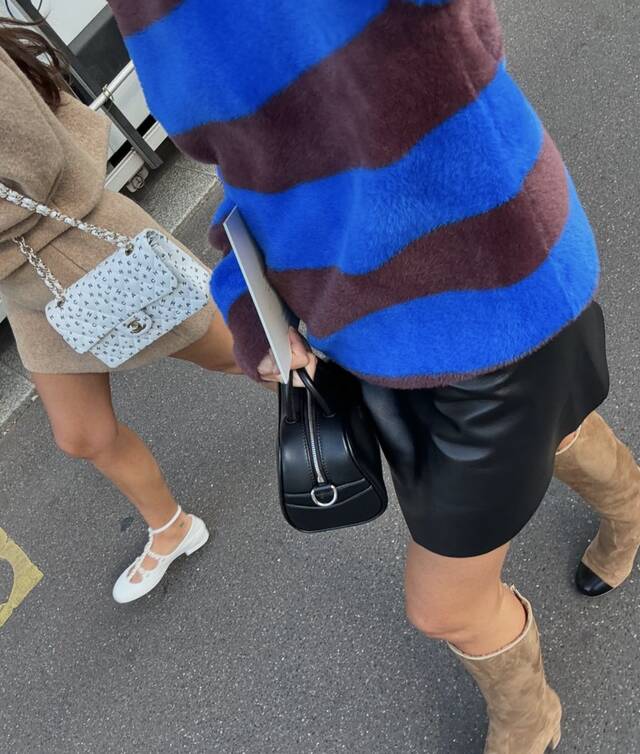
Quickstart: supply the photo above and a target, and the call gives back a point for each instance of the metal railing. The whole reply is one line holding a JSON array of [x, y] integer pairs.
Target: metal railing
[[92, 92]]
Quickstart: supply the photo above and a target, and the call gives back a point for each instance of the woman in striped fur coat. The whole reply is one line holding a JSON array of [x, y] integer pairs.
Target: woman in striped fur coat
[[414, 212]]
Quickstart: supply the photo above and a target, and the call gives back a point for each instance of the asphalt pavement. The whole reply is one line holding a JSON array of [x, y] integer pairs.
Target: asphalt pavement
[[272, 642]]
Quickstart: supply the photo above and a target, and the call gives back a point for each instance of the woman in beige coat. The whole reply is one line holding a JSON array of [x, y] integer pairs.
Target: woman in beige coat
[[53, 149]]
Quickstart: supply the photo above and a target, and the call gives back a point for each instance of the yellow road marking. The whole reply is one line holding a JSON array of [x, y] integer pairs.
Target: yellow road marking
[[25, 575]]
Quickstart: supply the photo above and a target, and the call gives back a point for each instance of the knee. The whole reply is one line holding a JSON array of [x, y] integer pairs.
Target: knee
[[85, 443], [436, 621], [463, 622]]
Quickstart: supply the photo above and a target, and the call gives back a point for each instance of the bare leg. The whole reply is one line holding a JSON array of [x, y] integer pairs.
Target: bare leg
[[214, 350], [568, 441], [493, 632], [462, 600], [84, 426]]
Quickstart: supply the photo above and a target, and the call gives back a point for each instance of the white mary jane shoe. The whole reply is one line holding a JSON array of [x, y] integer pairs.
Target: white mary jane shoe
[[125, 590]]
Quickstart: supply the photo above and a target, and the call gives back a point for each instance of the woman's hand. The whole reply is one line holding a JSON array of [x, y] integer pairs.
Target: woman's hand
[[302, 357]]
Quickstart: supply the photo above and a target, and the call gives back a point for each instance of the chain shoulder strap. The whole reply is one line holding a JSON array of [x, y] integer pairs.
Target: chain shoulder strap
[[41, 209], [44, 273]]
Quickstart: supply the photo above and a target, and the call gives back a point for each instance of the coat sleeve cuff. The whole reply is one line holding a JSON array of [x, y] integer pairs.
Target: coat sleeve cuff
[[250, 342], [230, 293]]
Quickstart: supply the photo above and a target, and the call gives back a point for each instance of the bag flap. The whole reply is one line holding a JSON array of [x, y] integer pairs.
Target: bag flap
[[111, 293], [183, 265]]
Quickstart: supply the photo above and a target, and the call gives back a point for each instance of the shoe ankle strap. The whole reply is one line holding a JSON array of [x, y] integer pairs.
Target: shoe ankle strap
[[170, 523]]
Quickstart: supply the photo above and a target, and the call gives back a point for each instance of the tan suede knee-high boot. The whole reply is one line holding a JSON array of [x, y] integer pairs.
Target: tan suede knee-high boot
[[524, 711], [602, 470]]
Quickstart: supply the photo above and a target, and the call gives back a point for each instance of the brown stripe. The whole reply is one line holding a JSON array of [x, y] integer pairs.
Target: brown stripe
[[491, 250], [218, 238], [426, 382], [135, 15], [422, 381], [364, 106], [486, 25], [250, 344]]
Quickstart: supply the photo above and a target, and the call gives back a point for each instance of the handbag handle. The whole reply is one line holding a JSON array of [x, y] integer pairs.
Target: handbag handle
[[317, 396], [291, 414], [290, 410]]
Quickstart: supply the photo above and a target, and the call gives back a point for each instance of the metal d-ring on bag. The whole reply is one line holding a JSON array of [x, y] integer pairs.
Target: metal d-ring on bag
[[143, 290]]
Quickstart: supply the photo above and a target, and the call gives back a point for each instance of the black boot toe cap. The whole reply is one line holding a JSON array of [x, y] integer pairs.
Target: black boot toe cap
[[590, 583]]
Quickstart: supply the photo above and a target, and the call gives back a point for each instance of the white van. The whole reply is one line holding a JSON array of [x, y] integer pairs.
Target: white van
[[104, 77]]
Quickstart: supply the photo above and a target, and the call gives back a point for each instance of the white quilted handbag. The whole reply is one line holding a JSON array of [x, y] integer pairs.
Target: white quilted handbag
[[143, 290]]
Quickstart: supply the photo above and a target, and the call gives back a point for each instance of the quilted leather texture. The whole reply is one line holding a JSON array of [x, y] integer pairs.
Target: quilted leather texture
[[129, 301]]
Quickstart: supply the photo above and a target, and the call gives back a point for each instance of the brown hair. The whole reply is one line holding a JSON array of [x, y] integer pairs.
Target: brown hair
[[26, 48]]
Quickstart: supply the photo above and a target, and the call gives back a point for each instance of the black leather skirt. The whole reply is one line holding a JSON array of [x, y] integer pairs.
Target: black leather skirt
[[471, 462]]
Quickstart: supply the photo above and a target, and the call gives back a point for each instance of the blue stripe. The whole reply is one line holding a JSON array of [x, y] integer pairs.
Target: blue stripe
[[218, 61], [357, 220], [227, 284], [223, 210], [454, 333]]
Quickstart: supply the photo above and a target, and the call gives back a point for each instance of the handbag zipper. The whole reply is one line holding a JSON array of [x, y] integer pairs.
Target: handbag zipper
[[311, 425], [323, 485]]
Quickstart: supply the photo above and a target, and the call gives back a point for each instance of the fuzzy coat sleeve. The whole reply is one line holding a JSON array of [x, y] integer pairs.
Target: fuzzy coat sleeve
[[31, 155]]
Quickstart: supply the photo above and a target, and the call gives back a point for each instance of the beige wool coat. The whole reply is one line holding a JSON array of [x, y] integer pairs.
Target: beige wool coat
[[60, 159]]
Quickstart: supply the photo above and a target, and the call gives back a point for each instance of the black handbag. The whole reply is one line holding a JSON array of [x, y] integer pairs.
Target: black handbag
[[330, 470]]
